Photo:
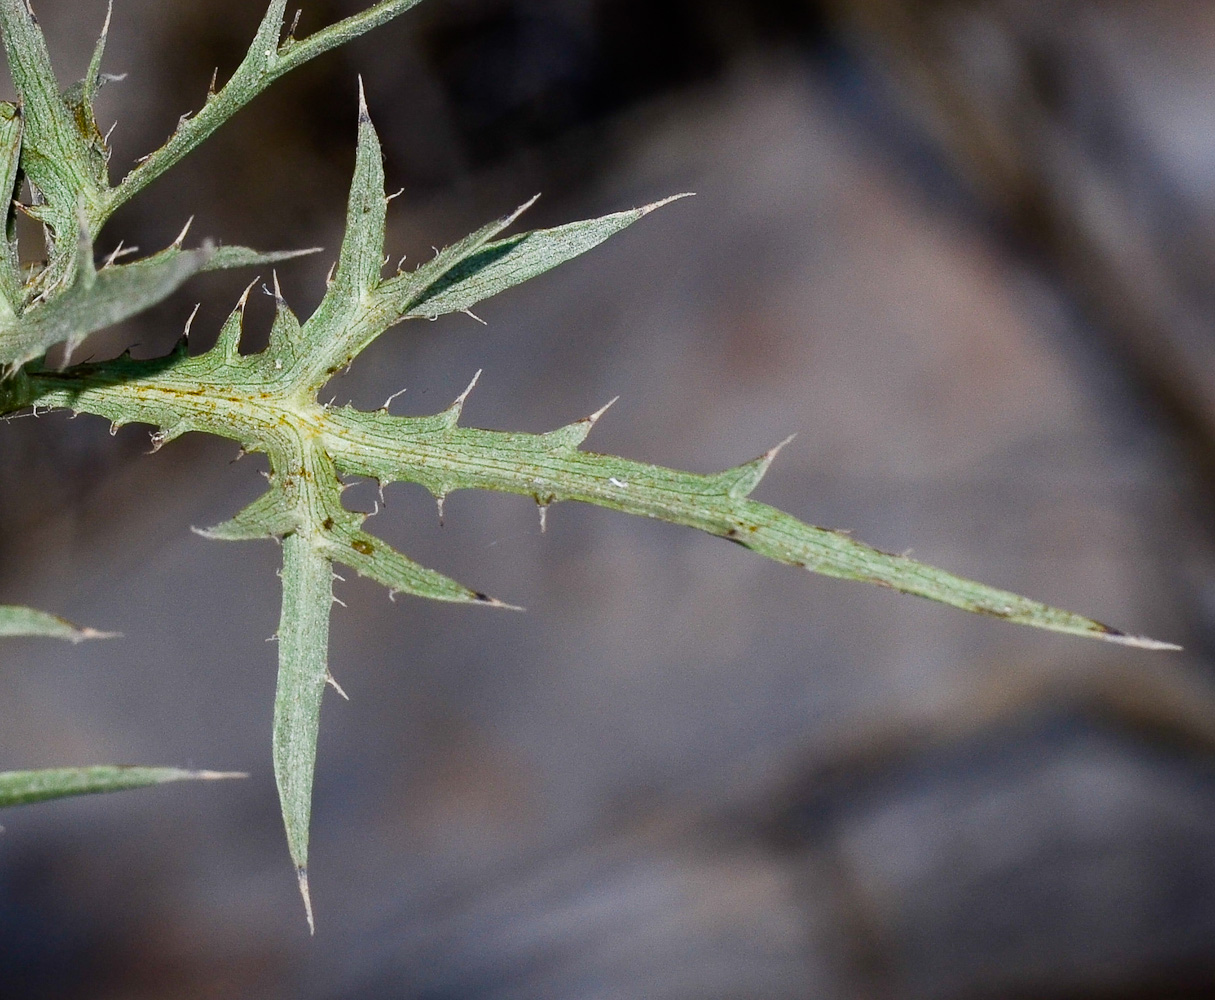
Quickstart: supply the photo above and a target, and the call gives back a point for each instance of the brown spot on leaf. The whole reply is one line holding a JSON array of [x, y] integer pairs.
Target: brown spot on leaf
[[359, 545]]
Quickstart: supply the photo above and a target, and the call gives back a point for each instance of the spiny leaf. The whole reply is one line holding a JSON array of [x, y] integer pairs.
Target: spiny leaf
[[361, 259], [286, 342], [742, 480], [389, 304], [23, 787], [66, 158], [92, 77], [398, 295], [264, 48], [358, 306], [226, 258], [409, 449], [267, 403], [56, 155], [443, 458], [569, 437], [296, 51], [359, 263], [269, 516], [96, 299], [79, 100], [16, 621], [368, 556], [266, 61], [227, 345], [303, 647], [495, 267]]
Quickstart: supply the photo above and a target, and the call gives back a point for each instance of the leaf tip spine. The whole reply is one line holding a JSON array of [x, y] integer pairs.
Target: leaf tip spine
[[301, 873], [654, 206], [1136, 641], [569, 437], [185, 333], [181, 237], [364, 114], [457, 406], [493, 602], [593, 419], [741, 481], [244, 296], [521, 209], [85, 633], [776, 449], [388, 401]]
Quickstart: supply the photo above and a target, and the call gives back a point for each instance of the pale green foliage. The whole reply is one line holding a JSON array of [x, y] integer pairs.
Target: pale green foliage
[[268, 401], [15, 621], [22, 787], [53, 143]]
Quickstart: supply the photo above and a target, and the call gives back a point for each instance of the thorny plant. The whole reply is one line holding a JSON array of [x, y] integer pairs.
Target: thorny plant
[[51, 146]]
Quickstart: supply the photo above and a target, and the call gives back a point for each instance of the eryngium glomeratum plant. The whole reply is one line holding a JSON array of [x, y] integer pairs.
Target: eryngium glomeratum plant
[[268, 401]]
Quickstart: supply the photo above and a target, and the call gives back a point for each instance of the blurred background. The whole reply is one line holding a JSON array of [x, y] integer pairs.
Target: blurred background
[[963, 248]]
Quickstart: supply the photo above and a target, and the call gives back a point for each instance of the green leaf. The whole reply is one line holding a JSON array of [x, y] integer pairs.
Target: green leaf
[[17, 621], [65, 157], [227, 258], [549, 468], [361, 259], [495, 267], [303, 647], [266, 61], [269, 516], [359, 306], [24, 787], [56, 156], [91, 83], [370, 557], [267, 403], [10, 161], [96, 299]]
